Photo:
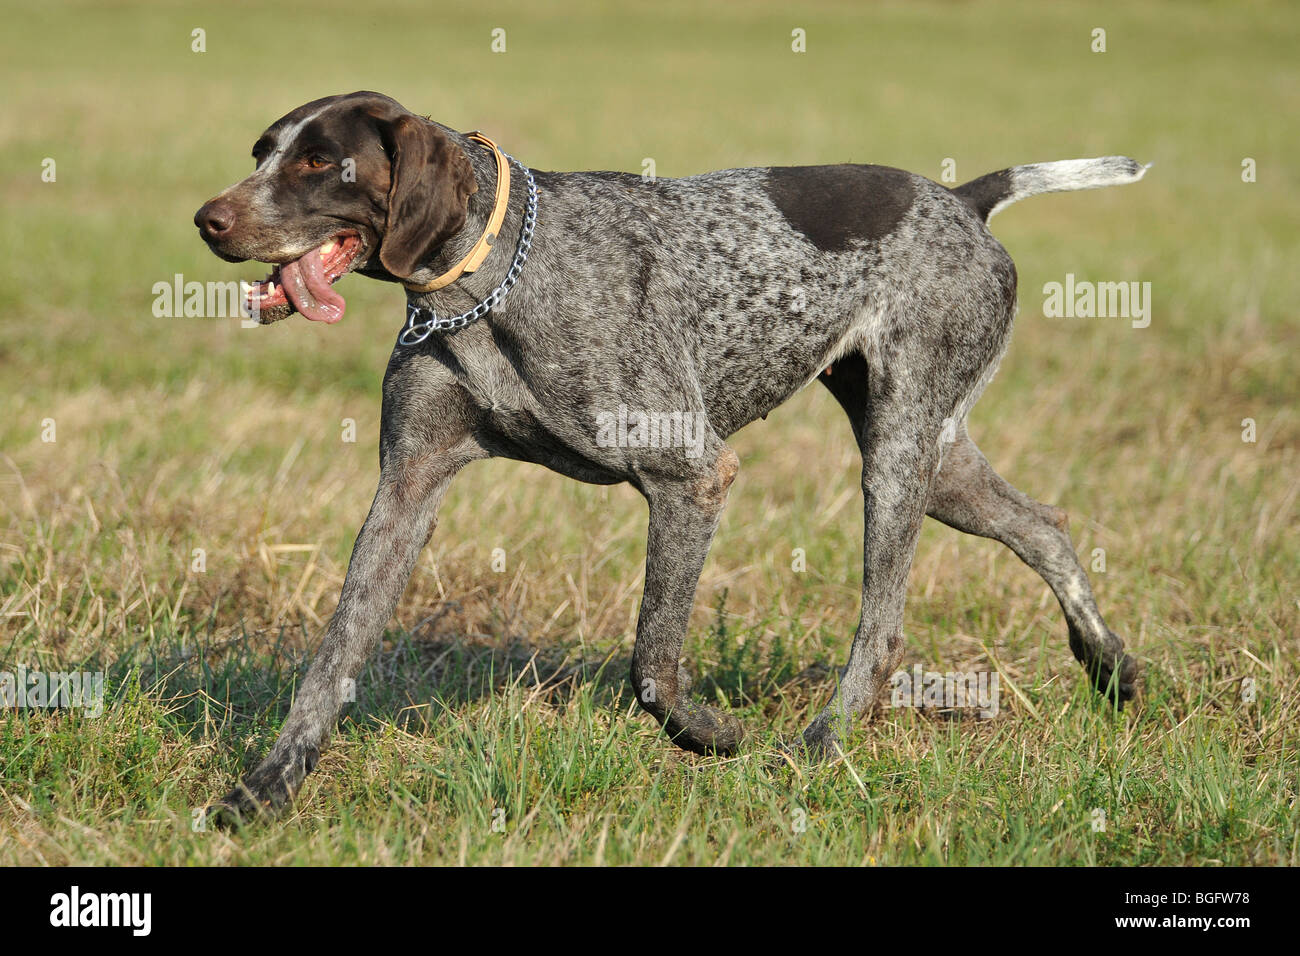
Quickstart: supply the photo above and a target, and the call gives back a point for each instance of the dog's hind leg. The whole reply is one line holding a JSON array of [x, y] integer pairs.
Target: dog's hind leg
[[897, 419], [684, 515], [967, 494], [970, 496]]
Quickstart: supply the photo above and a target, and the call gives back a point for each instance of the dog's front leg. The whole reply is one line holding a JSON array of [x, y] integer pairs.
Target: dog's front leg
[[683, 518], [400, 522]]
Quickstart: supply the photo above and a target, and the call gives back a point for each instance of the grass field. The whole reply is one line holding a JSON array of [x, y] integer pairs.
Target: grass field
[[494, 726]]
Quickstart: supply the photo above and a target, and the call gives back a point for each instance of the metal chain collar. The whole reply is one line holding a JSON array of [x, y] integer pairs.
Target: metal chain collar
[[416, 331]]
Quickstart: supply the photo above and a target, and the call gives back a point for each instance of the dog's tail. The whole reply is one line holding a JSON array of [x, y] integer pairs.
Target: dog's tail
[[989, 194]]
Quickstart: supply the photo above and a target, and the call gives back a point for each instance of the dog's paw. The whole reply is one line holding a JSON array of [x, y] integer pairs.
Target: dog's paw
[[704, 730], [811, 746], [1113, 673], [1116, 680], [267, 790], [1119, 684], [689, 723], [242, 806]]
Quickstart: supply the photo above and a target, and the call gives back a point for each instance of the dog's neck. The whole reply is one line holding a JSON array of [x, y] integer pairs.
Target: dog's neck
[[472, 288]]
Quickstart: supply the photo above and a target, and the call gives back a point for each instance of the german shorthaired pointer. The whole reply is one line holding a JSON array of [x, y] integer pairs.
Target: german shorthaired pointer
[[699, 304]]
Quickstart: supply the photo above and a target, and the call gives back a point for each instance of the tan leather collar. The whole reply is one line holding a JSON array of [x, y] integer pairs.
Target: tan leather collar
[[486, 242]]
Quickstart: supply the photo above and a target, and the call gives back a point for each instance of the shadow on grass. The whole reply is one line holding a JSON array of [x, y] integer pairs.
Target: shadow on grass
[[245, 685], [237, 690]]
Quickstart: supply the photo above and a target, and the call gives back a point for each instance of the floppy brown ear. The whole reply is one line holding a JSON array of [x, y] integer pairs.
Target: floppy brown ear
[[431, 182]]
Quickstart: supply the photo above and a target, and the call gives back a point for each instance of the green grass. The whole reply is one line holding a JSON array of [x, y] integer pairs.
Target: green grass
[[499, 698]]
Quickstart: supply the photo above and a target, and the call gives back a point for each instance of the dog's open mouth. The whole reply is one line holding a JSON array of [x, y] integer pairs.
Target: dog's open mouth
[[304, 284]]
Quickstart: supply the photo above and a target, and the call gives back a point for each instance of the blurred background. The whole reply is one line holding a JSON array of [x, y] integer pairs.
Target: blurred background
[[199, 491]]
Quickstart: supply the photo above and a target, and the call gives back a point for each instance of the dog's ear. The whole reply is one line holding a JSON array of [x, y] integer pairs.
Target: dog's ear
[[431, 180]]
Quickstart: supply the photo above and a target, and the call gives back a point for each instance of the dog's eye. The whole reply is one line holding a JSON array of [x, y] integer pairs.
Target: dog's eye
[[317, 161]]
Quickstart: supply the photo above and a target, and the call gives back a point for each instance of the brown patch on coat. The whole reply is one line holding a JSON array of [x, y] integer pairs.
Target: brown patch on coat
[[1061, 519], [711, 488], [837, 207]]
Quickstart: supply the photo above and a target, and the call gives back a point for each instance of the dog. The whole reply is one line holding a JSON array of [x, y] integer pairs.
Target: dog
[[541, 303]]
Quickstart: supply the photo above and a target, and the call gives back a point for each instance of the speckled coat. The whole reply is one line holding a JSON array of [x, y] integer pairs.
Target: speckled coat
[[716, 296]]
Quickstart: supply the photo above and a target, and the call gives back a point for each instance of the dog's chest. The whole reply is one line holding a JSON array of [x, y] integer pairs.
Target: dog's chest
[[490, 381]]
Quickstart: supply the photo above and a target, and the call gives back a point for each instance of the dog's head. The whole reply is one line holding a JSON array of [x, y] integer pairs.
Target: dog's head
[[352, 183]]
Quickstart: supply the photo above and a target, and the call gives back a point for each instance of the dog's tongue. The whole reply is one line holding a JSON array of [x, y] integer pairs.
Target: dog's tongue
[[307, 287]]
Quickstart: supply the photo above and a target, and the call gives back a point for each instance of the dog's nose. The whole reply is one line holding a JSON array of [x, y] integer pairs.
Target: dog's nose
[[215, 219]]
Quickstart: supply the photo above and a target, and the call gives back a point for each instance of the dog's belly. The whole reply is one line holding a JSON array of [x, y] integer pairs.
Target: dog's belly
[[754, 354], [743, 387]]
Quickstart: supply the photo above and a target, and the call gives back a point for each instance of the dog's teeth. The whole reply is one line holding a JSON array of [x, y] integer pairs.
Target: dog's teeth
[[326, 249]]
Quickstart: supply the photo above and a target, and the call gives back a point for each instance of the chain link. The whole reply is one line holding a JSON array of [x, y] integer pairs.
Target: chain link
[[416, 331]]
